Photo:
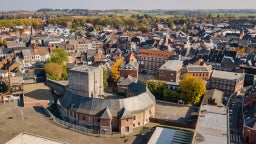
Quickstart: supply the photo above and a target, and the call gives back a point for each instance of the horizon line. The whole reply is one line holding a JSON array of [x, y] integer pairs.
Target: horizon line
[[191, 9]]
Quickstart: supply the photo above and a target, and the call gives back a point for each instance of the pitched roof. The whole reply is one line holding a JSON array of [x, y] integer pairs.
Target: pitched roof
[[36, 51], [126, 80], [43, 50], [107, 114], [143, 99], [155, 53], [228, 60], [131, 65], [27, 52], [130, 57]]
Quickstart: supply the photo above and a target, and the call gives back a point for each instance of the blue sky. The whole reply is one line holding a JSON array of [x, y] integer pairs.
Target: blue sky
[[7, 5]]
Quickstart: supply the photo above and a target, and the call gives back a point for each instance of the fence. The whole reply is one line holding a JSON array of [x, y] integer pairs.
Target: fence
[[81, 129]]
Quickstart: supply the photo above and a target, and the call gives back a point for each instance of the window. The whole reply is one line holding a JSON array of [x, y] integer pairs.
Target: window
[[127, 129], [138, 123], [98, 120], [127, 119], [133, 125], [83, 117], [134, 117]]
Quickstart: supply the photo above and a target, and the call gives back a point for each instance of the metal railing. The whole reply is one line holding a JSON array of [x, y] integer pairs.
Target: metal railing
[[82, 129]]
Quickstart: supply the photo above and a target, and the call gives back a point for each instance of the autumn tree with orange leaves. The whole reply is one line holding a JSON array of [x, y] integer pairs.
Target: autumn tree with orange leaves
[[115, 74]]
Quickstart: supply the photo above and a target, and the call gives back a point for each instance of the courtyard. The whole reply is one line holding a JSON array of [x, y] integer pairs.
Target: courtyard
[[14, 120]]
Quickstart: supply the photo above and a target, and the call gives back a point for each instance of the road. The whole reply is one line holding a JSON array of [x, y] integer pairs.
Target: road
[[236, 125]]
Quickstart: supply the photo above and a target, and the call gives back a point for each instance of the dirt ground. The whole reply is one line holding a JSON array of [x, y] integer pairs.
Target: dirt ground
[[14, 120], [174, 112]]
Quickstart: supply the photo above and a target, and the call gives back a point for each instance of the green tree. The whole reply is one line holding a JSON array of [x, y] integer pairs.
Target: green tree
[[59, 56], [170, 95], [105, 78], [156, 88], [56, 65], [53, 71], [192, 88]]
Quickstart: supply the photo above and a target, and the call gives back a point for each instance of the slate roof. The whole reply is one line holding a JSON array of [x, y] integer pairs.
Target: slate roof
[[131, 65], [228, 60], [27, 52], [107, 114], [118, 107], [126, 80]]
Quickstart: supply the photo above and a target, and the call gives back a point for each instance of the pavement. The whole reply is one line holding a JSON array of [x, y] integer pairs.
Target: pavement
[[14, 120], [175, 112]]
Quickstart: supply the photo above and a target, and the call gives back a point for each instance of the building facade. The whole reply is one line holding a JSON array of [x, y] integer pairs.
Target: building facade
[[86, 81], [101, 112], [171, 71], [151, 60], [108, 115], [228, 82], [203, 72]]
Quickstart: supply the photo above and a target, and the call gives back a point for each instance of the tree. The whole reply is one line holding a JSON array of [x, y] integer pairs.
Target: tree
[[105, 78], [170, 95], [55, 67], [240, 51], [2, 42], [115, 74], [59, 56], [192, 88], [53, 71], [156, 88]]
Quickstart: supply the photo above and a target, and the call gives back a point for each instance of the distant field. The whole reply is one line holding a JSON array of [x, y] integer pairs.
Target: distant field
[[235, 14], [142, 13]]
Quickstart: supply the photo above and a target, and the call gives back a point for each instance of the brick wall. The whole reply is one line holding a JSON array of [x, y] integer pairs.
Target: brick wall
[[249, 135], [43, 103], [172, 76], [132, 73], [126, 126], [203, 75]]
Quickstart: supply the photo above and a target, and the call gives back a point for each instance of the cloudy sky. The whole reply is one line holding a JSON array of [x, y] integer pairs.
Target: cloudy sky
[[7, 5]]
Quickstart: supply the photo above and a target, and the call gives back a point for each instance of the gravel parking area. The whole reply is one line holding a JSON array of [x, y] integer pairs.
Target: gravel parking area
[[174, 112], [35, 122]]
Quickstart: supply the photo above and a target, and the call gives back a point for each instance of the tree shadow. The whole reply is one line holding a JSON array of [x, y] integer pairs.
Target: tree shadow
[[39, 94], [40, 110]]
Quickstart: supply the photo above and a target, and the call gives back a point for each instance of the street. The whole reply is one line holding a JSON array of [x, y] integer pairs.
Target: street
[[236, 125]]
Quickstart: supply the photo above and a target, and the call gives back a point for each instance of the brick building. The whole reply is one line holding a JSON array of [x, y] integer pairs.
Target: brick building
[[130, 66], [83, 44], [107, 115], [151, 60], [203, 72], [228, 82], [170, 71]]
